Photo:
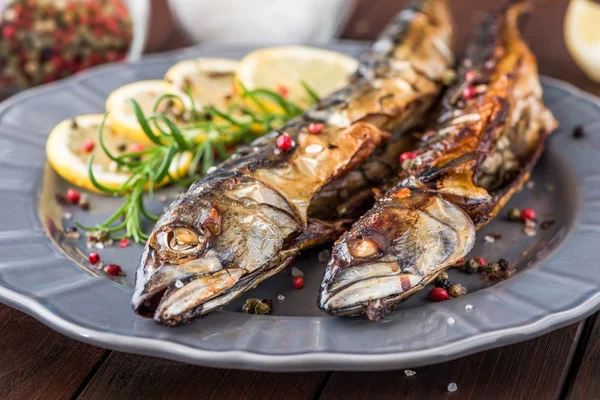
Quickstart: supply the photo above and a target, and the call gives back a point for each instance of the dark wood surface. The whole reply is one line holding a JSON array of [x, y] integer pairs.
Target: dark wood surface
[[37, 362]]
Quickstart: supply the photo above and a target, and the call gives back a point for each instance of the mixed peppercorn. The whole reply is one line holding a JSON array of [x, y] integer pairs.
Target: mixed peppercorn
[[45, 40]]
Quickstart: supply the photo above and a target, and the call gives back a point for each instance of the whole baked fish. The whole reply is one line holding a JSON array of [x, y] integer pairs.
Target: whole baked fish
[[246, 221], [488, 136]]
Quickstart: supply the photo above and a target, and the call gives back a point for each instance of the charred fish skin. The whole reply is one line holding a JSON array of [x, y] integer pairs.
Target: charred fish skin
[[244, 222], [487, 138]]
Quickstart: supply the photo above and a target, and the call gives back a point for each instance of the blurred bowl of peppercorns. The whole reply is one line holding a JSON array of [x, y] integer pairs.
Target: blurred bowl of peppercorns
[[45, 40]]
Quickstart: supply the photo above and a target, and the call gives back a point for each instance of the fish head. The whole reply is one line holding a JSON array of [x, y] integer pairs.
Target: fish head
[[399, 246], [208, 239]]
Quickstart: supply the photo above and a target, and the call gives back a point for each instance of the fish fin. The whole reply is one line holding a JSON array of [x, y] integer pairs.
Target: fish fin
[[436, 172], [320, 232]]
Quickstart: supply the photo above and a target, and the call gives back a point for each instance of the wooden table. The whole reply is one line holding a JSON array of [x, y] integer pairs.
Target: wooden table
[[36, 362]]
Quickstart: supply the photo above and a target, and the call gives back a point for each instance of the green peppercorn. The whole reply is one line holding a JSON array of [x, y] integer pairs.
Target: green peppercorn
[[442, 276], [471, 266], [493, 268], [514, 214], [256, 306]]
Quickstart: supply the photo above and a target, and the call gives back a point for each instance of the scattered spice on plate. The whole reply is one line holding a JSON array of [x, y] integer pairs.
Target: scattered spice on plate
[[457, 290], [489, 239], [547, 224], [298, 282], [530, 185], [469, 307], [124, 243], [256, 306], [93, 258], [114, 270], [443, 283], [324, 256], [409, 372], [281, 297], [72, 233], [514, 214], [84, 202], [481, 262], [98, 239], [527, 214], [438, 294], [578, 132], [451, 321], [529, 228], [441, 277], [452, 387], [470, 267], [499, 270], [73, 196]]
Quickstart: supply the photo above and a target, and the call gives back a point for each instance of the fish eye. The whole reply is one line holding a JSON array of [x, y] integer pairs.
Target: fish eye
[[363, 248], [181, 242]]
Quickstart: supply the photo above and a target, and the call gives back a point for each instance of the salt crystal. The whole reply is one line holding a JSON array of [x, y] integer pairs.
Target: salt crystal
[[99, 245], [255, 149], [313, 149], [409, 372], [277, 152], [296, 272], [178, 284], [489, 239], [450, 321], [530, 185], [452, 387], [281, 297], [469, 307], [67, 215], [162, 199], [211, 170], [324, 256]]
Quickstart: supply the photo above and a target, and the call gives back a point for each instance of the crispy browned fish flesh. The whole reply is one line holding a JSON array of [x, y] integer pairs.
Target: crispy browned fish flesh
[[488, 136], [247, 220]]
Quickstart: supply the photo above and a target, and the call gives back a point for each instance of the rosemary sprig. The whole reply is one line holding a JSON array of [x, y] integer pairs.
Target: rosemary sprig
[[209, 134]]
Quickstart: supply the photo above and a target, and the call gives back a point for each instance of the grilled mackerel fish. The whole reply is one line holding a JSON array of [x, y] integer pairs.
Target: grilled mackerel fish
[[488, 136], [248, 220]]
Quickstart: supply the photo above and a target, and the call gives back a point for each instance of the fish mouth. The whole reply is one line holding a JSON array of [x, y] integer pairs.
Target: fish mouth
[[394, 254], [171, 295], [355, 288]]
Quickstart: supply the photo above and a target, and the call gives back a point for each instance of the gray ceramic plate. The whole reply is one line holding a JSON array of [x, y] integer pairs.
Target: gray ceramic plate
[[558, 279]]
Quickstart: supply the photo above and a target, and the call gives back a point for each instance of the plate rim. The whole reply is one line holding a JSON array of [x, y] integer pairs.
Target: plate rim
[[245, 359]]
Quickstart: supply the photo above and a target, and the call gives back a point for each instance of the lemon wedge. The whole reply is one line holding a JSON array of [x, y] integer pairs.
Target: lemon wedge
[[582, 35], [283, 69], [210, 80], [145, 93], [72, 142]]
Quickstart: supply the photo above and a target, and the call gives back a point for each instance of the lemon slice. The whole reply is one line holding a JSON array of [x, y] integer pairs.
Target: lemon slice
[[145, 93], [283, 69], [210, 80], [66, 152], [582, 35]]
